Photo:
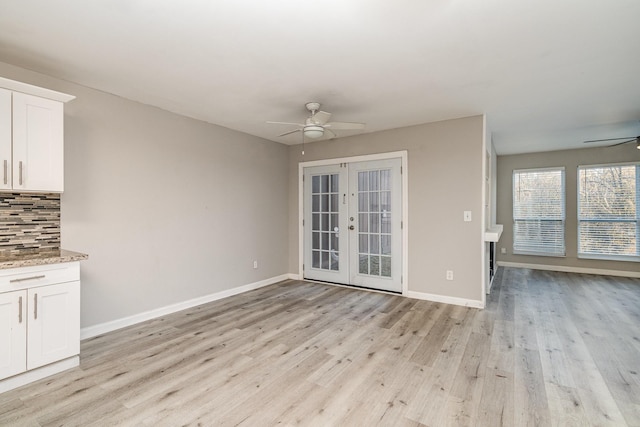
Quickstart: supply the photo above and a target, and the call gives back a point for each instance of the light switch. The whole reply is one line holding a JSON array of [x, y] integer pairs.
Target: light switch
[[467, 216]]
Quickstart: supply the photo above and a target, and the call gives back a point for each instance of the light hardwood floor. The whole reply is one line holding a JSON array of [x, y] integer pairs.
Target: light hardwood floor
[[549, 349]]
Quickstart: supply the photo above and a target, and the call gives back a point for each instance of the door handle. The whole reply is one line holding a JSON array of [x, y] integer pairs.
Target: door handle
[[20, 310], [352, 227]]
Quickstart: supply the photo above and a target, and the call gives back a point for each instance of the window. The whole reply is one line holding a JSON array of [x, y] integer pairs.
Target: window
[[538, 212], [608, 216]]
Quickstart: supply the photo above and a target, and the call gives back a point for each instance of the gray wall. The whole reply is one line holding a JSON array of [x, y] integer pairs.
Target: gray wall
[[168, 208], [570, 159], [445, 179]]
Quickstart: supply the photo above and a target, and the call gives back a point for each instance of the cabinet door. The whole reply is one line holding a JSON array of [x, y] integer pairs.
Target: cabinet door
[[5, 139], [54, 323], [38, 144], [13, 333]]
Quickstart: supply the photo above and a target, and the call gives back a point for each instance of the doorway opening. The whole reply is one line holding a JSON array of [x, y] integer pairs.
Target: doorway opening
[[353, 228]]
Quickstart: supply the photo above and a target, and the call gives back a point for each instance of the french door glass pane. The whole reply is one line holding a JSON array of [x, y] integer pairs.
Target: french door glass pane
[[363, 264], [364, 243], [363, 202], [364, 222], [334, 183], [385, 266], [374, 269], [374, 222], [385, 244], [374, 243], [325, 183], [385, 179], [325, 222], [325, 241], [373, 181], [325, 206]]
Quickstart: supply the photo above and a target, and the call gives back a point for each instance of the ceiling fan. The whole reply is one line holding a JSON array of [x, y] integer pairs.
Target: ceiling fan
[[627, 140], [318, 123]]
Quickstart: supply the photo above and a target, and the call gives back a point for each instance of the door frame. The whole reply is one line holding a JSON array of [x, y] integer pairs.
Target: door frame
[[403, 156]]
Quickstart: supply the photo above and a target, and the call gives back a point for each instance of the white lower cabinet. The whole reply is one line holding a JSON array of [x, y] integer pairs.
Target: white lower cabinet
[[13, 333], [53, 326], [40, 322]]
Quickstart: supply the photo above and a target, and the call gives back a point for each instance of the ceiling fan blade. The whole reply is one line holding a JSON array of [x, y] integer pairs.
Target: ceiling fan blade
[[286, 123], [623, 142], [333, 134], [344, 126], [321, 117], [290, 132], [610, 139]]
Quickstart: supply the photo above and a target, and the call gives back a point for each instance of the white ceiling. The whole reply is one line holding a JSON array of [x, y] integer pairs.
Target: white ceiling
[[548, 73]]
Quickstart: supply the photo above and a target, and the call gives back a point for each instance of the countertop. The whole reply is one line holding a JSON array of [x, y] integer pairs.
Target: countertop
[[40, 258], [493, 233]]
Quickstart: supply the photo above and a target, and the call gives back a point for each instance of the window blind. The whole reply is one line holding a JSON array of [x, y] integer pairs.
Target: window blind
[[538, 212], [608, 217]]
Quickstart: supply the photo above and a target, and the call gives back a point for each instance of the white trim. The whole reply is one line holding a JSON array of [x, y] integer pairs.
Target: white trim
[[92, 331], [405, 203], [38, 373], [361, 158], [484, 269], [35, 90], [566, 269], [604, 165], [445, 299], [550, 169]]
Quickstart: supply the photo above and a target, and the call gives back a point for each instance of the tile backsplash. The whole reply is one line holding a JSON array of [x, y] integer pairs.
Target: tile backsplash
[[29, 222]]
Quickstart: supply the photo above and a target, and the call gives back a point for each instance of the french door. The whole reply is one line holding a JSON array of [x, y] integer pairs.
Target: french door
[[352, 224]]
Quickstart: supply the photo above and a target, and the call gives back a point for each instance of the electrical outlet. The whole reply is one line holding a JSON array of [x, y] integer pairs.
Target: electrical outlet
[[449, 275], [255, 264], [503, 251]]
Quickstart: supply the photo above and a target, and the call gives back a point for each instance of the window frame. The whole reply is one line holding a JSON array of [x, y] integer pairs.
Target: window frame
[[608, 257], [563, 221]]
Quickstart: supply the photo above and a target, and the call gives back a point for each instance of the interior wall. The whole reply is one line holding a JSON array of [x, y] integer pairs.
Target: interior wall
[[168, 208], [570, 159], [445, 179]]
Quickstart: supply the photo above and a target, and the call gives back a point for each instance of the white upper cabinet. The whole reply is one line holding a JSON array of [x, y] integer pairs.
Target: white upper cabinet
[[31, 138], [5, 139], [38, 144]]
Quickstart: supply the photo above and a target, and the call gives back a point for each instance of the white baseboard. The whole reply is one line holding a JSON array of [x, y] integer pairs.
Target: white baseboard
[[102, 328], [410, 294], [38, 373], [445, 299], [566, 269]]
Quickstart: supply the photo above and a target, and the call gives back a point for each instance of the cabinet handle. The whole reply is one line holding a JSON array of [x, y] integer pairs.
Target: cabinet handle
[[20, 310], [35, 306], [20, 172], [24, 279], [5, 172]]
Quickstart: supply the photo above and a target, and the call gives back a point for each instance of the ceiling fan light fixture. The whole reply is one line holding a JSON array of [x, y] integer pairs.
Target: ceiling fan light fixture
[[313, 131]]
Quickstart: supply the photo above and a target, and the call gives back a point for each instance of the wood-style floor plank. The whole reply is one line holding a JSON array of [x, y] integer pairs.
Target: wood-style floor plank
[[548, 349]]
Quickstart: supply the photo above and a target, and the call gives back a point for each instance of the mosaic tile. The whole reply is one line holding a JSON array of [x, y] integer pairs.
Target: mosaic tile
[[29, 222]]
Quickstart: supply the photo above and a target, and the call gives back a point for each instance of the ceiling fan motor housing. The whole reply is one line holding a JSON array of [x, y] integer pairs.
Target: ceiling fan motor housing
[[312, 106]]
